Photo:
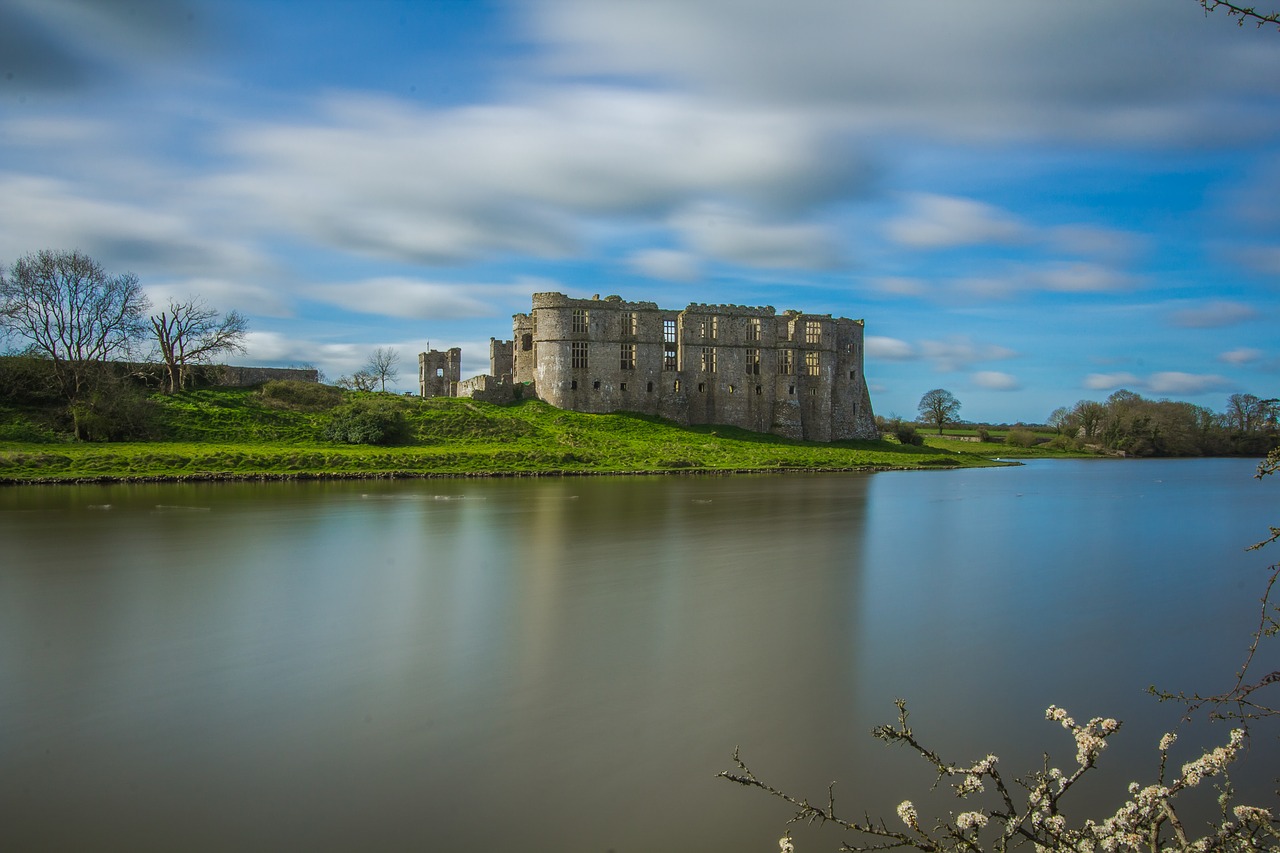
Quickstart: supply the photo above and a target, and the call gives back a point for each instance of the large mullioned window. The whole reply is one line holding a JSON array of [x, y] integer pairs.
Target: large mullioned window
[[578, 358], [579, 321]]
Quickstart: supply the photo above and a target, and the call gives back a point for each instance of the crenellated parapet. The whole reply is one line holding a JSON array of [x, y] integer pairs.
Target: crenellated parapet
[[790, 373]]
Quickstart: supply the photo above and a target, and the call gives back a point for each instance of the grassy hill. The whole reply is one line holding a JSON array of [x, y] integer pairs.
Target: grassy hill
[[294, 430]]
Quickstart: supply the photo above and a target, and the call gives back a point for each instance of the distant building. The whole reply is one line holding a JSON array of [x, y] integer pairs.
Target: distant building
[[791, 374]]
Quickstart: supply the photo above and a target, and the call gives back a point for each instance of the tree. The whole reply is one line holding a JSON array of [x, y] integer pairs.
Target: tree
[[71, 312], [189, 333], [1243, 13], [361, 380], [383, 366], [938, 407], [1089, 413]]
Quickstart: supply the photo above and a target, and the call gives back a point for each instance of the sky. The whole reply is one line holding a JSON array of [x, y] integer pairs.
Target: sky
[[1029, 203]]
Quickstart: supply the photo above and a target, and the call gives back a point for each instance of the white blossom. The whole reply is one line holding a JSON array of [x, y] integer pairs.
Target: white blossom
[[907, 812], [966, 821]]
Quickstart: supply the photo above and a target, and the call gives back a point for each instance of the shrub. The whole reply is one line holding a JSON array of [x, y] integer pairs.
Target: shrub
[[984, 434], [1020, 438], [906, 434], [1062, 442], [305, 396], [364, 421]]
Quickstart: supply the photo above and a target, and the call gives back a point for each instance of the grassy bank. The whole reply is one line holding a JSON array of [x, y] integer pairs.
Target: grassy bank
[[244, 433]]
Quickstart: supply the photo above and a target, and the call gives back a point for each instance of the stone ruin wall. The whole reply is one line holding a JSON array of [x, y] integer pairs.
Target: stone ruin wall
[[792, 374]]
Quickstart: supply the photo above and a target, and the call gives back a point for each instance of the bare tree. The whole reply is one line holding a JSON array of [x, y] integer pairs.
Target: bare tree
[[384, 366], [361, 380], [938, 407], [72, 313], [1243, 13], [189, 333]]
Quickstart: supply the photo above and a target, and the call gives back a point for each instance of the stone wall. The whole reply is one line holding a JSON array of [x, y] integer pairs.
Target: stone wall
[[792, 374], [237, 377]]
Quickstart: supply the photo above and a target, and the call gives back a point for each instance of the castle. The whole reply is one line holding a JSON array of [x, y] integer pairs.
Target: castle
[[791, 374]]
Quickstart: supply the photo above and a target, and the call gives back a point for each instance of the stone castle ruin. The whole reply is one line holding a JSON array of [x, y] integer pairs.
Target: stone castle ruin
[[791, 374]]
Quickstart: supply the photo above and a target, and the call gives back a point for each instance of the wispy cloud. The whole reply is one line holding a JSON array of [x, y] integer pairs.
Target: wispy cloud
[[941, 222], [1212, 315], [960, 352], [1165, 382], [994, 380], [1242, 355]]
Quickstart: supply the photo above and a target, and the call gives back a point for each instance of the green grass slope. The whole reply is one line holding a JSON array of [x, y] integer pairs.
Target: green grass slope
[[246, 433]]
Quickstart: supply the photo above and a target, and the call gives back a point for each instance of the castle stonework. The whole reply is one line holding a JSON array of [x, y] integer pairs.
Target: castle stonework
[[791, 374]]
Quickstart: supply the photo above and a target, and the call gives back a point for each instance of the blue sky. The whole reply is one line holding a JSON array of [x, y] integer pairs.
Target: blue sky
[[1028, 203]]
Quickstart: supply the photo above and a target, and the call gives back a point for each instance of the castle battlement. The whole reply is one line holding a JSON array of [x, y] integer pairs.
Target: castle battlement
[[795, 374]]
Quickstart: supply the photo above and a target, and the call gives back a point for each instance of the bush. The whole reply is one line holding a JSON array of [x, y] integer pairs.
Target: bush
[[984, 434], [906, 434], [304, 396], [1020, 438], [367, 422], [1062, 442]]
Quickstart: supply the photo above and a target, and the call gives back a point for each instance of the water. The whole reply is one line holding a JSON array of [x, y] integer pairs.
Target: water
[[565, 664]]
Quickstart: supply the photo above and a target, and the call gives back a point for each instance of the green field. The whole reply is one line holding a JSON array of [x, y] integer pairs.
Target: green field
[[246, 433]]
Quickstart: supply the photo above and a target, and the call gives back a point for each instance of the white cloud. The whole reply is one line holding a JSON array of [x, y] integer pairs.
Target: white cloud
[[730, 235], [901, 286], [1166, 382], [391, 179], [984, 69], [1212, 315], [1079, 277], [1173, 382], [412, 298], [960, 352], [223, 295], [122, 235], [1243, 355], [1090, 240], [994, 380], [889, 349], [666, 264], [1110, 381], [939, 222]]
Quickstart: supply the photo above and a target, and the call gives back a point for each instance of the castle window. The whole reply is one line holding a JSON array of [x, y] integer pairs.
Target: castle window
[[649, 388], [853, 374], [811, 365], [579, 355], [668, 331], [715, 327], [628, 356], [596, 385], [579, 320], [759, 390], [708, 359], [702, 386], [753, 330], [669, 356], [573, 385], [786, 362], [732, 389], [439, 372], [812, 333], [622, 386], [526, 342], [675, 386], [753, 362], [791, 390], [628, 322]]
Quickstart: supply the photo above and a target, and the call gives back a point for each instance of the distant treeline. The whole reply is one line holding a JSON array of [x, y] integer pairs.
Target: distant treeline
[[1128, 423]]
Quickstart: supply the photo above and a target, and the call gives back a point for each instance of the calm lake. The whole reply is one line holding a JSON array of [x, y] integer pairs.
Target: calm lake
[[565, 664]]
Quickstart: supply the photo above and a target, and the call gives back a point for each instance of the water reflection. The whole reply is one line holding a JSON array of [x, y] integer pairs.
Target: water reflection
[[565, 664]]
